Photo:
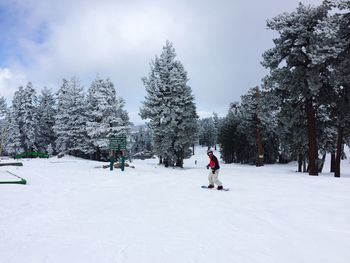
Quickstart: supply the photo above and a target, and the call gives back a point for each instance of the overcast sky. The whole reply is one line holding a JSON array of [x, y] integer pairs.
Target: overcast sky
[[220, 44]]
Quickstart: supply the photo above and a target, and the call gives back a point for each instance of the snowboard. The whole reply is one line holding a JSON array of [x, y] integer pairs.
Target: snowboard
[[206, 187]]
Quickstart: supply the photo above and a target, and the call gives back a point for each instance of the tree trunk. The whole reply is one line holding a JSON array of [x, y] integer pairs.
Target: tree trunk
[[300, 162], [180, 163], [321, 163], [332, 163], [260, 159], [98, 154], [311, 131], [260, 149], [166, 162], [338, 152]]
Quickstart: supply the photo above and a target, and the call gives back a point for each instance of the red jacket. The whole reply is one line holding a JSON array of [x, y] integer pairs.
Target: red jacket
[[214, 163]]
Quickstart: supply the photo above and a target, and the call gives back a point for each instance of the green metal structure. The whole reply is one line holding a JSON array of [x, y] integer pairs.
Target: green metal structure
[[20, 181]]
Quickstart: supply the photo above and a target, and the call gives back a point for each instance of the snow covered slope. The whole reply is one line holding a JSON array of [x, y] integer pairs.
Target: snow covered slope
[[72, 210]]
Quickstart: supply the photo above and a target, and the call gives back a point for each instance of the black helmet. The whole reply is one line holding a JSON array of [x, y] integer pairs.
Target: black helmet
[[209, 152]]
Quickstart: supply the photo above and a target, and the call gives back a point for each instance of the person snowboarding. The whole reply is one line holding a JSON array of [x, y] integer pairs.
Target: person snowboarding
[[214, 171]]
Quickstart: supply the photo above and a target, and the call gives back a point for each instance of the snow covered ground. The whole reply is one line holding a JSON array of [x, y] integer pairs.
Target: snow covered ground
[[72, 210]]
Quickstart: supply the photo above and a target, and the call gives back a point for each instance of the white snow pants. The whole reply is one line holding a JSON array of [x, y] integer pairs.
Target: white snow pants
[[213, 178]]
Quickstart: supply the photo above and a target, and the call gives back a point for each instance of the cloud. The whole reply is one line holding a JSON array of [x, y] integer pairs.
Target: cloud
[[5, 78], [219, 42], [8, 82], [85, 38], [91, 37]]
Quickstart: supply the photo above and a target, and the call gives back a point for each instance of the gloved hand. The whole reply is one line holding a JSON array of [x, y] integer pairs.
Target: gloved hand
[[213, 171], [208, 166]]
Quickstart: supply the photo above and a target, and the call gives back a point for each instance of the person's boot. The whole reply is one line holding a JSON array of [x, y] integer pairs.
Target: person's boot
[[220, 187], [210, 186]]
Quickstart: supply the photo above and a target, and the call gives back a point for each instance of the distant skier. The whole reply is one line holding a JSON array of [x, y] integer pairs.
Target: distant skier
[[214, 171]]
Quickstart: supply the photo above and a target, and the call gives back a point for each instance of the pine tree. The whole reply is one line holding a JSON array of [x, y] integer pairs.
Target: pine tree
[[29, 118], [292, 132], [258, 122], [142, 143], [3, 107], [217, 122], [233, 143], [70, 120], [61, 127], [77, 121], [15, 142], [13, 145], [207, 132], [106, 116], [3, 124], [251, 122], [46, 120], [292, 55], [331, 52], [170, 108]]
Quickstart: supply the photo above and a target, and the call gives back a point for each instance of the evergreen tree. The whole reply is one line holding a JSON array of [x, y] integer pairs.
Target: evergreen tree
[[46, 120], [258, 121], [106, 117], [3, 107], [61, 127], [251, 123], [142, 143], [13, 145], [77, 119], [292, 56], [170, 108], [70, 120], [331, 52], [217, 122], [292, 132], [207, 132], [267, 114], [3, 124], [234, 146], [29, 118]]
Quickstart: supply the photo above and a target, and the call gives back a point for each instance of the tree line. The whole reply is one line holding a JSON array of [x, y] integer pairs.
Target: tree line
[[68, 121], [82, 124], [302, 110]]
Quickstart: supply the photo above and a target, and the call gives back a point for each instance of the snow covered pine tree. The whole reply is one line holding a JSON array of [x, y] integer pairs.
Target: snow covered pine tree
[[170, 108]]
